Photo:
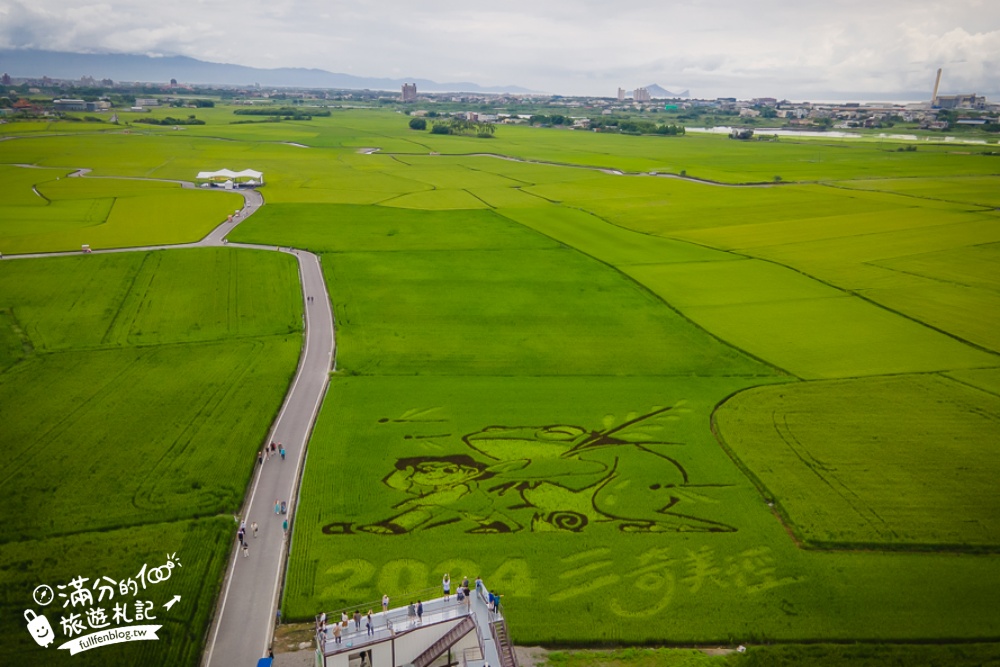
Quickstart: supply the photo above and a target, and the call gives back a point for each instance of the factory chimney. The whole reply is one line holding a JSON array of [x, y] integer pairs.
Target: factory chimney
[[937, 83]]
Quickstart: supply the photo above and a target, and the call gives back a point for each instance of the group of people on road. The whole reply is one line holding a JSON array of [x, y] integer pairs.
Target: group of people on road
[[241, 535], [271, 450], [280, 506]]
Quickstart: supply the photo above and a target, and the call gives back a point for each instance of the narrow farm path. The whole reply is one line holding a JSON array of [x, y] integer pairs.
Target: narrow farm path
[[244, 620]]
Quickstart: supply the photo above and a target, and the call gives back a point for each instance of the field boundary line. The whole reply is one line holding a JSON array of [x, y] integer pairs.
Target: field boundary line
[[884, 307], [660, 299], [610, 170]]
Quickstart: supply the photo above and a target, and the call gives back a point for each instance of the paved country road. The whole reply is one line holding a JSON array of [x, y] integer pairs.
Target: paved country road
[[244, 620]]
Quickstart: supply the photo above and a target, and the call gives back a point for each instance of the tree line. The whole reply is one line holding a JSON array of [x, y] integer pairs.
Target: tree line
[[458, 126], [288, 113]]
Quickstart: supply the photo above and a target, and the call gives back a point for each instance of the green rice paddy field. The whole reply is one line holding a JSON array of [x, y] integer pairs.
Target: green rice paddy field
[[136, 389], [647, 410]]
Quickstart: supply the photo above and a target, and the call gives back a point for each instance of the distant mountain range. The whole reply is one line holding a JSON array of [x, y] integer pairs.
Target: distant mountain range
[[655, 91], [29, 63]]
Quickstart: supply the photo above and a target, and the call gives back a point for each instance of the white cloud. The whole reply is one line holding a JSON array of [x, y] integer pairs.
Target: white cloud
[[714, 47]]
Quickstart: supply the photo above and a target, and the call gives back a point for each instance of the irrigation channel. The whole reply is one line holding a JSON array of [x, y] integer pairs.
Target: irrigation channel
[[244, 620]]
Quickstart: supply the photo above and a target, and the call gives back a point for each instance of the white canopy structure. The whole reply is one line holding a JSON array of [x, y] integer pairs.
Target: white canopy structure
[[245, 177]]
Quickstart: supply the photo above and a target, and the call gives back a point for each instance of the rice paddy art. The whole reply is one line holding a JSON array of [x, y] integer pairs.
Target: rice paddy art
[[546, 478]]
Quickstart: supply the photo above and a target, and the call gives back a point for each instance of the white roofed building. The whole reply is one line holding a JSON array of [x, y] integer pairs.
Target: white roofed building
[[228, 178]]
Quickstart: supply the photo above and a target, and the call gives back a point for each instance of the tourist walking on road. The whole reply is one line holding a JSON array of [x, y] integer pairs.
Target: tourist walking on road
[[370, 624], [336, 633], [420, 612], [277, 507], [357, 619], [282, 450], [246, 550], [284, 526], [446, 585], [385, 603], [411, 613], [253, 526]]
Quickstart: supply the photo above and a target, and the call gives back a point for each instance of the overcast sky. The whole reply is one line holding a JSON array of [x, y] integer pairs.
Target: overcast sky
[[794, 49]]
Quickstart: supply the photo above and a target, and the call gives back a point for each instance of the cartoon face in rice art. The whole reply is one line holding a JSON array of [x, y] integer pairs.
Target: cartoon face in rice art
[[545, 478]]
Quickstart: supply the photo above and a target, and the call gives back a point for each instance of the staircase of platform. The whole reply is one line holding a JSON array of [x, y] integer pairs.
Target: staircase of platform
[[436, 649], [504, 647]]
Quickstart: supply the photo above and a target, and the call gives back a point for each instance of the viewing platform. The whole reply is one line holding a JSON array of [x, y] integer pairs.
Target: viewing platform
[[450, 632]]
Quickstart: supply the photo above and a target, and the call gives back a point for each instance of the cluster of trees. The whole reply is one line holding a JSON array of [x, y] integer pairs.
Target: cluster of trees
[[190, 120], [286, 113], [631, 126], [554, 119], [201, 104], [456, 126]]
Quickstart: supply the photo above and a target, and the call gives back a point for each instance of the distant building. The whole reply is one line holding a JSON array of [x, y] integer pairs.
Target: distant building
[[69, 105], [621, 94], [409, 92], [147, 102], [970, 101], [641, 95], [6, 79]]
